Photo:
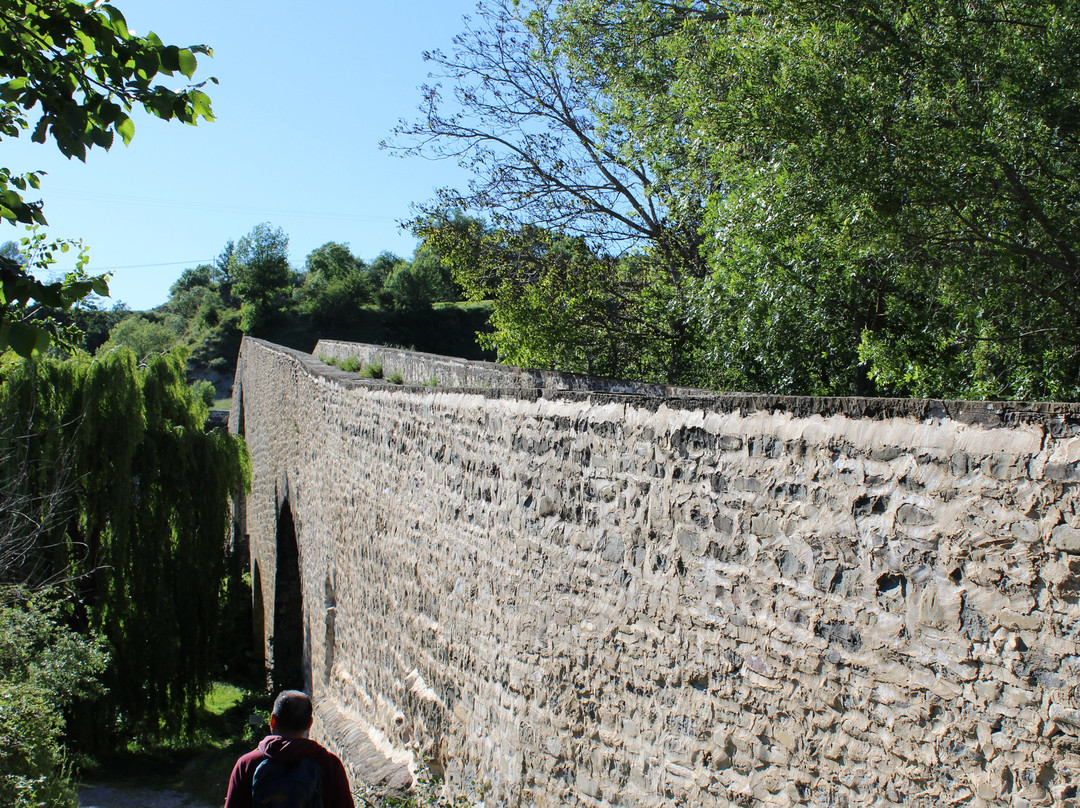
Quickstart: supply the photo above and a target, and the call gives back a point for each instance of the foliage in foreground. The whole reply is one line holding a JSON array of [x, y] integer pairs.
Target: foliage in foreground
[[44, 667], [142, 532], [83, 70]]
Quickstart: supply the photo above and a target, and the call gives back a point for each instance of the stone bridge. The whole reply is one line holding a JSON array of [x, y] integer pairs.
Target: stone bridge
[[575, 592]]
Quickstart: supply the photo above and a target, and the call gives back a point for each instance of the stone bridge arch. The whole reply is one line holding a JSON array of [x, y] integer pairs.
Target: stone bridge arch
[[288, 661]]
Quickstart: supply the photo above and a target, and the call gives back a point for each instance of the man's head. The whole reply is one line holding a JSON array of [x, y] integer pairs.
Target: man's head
[[291, 717]]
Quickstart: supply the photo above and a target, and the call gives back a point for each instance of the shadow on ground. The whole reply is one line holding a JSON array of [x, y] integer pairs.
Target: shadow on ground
[[112, 796]]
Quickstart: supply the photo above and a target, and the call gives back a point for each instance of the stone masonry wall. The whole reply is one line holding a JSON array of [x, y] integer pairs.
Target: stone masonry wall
[[598, 599]]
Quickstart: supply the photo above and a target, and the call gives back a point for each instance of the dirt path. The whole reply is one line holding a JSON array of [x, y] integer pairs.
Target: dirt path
[[105, 796]]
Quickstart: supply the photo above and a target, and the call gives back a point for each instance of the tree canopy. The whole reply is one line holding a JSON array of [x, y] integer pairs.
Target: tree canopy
[[336, 283], [867, 197], [134, 517], [261, 274], [72, 73], [899, 189], [535, 127]]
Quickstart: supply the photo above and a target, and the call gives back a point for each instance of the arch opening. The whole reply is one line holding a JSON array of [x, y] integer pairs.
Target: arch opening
[[287, 651], [258, 612]]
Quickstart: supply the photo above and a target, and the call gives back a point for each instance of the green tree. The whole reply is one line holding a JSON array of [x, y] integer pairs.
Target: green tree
[[80, 70], [332, 261], [262, 275], [894, 202], [336, 283], [144, 335], [413, 286], [383, 266], [559, 304], [144, 526], [407, 291], [204, 276], [532, 122], [225, 270], [436, 273]]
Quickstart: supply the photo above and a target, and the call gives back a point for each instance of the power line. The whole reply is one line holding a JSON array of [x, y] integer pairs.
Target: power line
[[220, 206], [151, 266]]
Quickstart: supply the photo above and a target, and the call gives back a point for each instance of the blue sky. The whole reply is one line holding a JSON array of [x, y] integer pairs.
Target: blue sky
[[306, 93]]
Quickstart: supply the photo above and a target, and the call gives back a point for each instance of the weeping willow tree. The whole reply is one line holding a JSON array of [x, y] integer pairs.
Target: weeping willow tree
[[124, 495]]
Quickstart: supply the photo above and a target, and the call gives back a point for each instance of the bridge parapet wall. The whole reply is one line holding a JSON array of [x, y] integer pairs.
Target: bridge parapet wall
[[596, 598], [447, 371]]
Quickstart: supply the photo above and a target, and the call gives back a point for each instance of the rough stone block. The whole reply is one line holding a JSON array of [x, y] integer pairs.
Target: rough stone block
[[1067, 538]]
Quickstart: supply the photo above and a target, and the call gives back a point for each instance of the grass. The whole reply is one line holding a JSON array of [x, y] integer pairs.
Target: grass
[[396, 378], [199, 765], [224, 733], [351, 364], [222, 698], [222, 404]]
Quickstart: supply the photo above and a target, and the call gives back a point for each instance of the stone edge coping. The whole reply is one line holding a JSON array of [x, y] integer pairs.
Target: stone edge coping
[[1060, 418], [494, 374]]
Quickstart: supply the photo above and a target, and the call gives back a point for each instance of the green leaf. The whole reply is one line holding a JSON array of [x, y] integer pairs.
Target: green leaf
[[126, 129], [89, 47], [200, 104], [11, 90], [117, 22], [187, 62], [25, 338], [170, 58], [40, 130]]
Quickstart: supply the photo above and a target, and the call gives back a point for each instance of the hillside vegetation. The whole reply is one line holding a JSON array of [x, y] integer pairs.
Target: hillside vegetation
[[252, 289]]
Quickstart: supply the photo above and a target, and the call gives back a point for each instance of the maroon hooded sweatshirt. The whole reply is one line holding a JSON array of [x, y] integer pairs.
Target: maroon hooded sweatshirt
[[335, 783]]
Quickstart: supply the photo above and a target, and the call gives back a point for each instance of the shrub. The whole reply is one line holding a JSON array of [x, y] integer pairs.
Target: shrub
[[351, 364], [44, 667], [396, 378], [372, 371]]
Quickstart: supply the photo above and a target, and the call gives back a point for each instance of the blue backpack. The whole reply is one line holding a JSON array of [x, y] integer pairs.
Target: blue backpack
[[283, 785]]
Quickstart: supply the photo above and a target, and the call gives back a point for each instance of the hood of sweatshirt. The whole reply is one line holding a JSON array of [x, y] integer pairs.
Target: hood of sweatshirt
[[287, 750]]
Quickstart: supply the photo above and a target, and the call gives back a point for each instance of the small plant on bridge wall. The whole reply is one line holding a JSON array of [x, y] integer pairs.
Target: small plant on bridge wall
[[427, 792], [351, 364], [396, 378], [372, 371]]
